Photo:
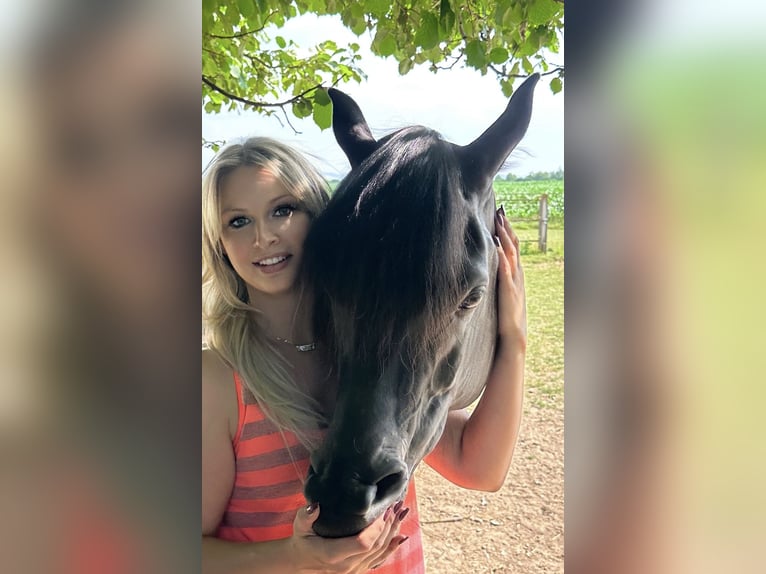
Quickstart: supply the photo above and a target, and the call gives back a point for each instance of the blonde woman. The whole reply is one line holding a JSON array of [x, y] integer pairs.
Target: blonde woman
[[266, 395]]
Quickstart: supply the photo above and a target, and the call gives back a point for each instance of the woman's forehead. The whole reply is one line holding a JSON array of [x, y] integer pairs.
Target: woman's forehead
[[251, 183]]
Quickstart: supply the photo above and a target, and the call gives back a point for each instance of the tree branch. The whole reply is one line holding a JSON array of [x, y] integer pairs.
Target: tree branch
[[289, 123], [501, 73], [452, 65], [207, 81], [246, 32]]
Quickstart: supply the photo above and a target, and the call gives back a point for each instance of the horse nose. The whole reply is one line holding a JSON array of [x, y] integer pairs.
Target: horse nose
[[351, 490], [391, 485]]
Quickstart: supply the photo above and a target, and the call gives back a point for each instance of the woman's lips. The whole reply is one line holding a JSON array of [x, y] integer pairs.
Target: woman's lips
[[273, 264]]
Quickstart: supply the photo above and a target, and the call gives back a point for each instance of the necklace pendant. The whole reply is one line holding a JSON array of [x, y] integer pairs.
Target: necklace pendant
[[306, 348]]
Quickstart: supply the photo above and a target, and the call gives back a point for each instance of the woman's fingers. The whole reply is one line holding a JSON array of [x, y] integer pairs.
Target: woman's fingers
[[392, 541], [304, 519], [368, 542], [509, 246], [393, 546], [353, 554]]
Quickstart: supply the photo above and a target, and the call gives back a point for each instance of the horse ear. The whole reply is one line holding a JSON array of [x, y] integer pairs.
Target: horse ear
[[351, 130], [481, 159]]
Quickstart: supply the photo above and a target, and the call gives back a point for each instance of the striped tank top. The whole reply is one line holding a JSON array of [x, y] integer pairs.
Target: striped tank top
[[268, 488]]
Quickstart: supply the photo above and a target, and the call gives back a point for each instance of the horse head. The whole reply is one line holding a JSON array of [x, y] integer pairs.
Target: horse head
[[403, 268]]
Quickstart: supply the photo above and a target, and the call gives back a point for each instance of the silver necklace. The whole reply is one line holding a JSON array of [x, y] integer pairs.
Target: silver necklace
[[302, 348]]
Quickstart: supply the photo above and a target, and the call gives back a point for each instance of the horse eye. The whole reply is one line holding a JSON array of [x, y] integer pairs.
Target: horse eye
[[472, 300]]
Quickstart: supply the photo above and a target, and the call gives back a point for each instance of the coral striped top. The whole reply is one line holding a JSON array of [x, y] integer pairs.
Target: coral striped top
[[268, 488]]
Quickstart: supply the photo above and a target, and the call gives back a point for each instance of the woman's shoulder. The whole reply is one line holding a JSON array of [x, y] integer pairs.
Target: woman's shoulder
[[214, 368], [219, 393]]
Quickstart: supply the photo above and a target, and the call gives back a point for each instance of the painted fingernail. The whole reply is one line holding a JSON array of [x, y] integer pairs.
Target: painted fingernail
[[388, 513], [403, 540], [496, 240], [311, 508], [403, 514], [398, 506], [502, 210]]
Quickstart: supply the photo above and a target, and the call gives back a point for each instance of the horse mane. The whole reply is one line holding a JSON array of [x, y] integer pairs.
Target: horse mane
[[399, 231]]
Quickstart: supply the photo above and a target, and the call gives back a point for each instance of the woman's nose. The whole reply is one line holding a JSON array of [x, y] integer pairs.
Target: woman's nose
[[264, 236]]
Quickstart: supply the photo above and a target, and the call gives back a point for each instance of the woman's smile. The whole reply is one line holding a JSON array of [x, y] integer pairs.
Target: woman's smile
[[274, 263]]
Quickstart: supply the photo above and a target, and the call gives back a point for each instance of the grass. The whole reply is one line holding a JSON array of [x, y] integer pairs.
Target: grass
[[544, 278], [527, 232], [544, 281]]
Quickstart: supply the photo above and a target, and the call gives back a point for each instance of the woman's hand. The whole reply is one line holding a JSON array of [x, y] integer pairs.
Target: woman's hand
[[512, 303], [351, 555]]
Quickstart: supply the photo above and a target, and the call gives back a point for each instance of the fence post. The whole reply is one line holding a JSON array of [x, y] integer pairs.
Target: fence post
[[542, 228]]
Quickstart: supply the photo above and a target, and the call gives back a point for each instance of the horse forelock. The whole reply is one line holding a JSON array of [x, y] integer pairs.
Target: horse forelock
[[393, 276]]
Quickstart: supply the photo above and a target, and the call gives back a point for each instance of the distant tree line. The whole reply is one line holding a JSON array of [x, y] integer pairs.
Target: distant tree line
[[534, 176]]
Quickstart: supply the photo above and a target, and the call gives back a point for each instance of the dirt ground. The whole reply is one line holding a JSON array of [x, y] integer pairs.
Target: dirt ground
[[518, 529]]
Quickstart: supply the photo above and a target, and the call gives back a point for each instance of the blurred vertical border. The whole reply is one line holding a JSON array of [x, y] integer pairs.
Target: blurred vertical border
[[665, 313], [100, 350]]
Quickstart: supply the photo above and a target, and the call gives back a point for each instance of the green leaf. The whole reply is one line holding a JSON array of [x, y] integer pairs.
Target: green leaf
[[556, 85], [378, 8], [502, 7], [527, 65], [543, 11], [357, 9], [474, 54], [359, 26], [280, 42], [498, 56], [513, 17], [428, 34], [387, 47], [246, 8], [446, 19], [507, 86], [322, 98], [322, 115], [405, 66], [302, 108]]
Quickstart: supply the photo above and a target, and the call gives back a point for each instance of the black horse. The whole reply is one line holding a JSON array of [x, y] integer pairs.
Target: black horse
[[403, 268]]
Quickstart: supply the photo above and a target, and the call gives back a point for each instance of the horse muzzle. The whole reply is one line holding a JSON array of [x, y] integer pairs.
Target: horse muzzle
[[347, 502]]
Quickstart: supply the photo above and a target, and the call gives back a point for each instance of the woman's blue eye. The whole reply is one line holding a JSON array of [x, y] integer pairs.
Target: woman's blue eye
[[284, 210], [239, 221]]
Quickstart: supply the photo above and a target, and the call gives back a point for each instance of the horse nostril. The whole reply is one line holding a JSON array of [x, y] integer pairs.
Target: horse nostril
[[389, 484]]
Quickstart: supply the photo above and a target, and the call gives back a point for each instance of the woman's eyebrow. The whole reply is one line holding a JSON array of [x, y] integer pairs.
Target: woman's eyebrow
[[283, 197]]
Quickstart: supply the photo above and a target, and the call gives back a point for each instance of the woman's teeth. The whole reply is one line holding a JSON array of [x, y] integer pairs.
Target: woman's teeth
[[272, 260]]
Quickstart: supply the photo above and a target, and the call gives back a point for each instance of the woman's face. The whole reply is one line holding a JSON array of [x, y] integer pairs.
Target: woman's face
[[262, 230]]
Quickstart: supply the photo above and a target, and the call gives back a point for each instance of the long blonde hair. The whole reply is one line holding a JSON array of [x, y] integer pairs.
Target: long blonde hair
[[231, 326]]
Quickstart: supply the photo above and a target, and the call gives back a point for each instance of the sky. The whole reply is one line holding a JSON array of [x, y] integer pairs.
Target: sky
[[459, 103]]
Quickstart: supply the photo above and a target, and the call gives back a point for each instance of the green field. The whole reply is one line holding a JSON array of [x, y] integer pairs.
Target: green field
[[521, 198]]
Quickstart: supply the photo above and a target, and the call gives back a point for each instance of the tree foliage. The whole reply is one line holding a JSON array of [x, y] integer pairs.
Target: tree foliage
[[534, 176], [245, 60]]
